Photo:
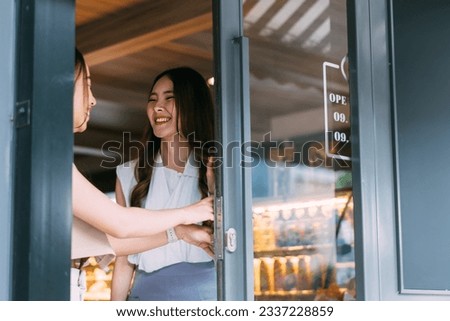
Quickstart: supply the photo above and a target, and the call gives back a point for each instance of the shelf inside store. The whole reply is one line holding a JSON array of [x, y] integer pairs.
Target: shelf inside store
[[299, 295], [331, 294], [292, 250]]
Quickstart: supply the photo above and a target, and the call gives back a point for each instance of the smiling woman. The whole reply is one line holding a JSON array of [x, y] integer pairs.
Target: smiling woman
[[169, 173], [124, 49], [161, 110]]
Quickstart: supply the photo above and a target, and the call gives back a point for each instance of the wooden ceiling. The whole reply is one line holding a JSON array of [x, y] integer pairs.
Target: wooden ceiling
[[128, 42]]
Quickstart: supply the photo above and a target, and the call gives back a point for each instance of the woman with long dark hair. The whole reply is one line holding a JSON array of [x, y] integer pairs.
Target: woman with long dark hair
[[171, 171]]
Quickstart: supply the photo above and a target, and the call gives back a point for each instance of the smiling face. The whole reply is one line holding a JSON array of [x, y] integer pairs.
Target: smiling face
[[161, 109], [83, 100]]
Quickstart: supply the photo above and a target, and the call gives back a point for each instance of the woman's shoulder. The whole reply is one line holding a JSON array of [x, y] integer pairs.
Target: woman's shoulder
[[130, 164], [126, 168]]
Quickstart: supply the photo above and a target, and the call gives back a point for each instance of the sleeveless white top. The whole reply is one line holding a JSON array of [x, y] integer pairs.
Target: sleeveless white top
[[168, 189]]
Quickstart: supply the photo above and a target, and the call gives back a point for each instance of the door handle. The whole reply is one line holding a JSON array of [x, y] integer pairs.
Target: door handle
[[231, 240]]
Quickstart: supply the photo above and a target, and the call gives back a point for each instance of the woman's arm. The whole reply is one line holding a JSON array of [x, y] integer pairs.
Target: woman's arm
[[95, 208], [121, 279], [194, 234], [123, 270], [134, 245]]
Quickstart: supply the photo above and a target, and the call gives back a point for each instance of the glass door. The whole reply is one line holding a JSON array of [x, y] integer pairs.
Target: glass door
[[303, 236]]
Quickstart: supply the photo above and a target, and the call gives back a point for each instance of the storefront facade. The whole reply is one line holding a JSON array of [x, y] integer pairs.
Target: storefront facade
[[329, 188]]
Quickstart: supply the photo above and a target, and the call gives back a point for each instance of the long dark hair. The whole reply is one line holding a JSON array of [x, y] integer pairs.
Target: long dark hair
[[80, 64], [81, 71], [196, 118]]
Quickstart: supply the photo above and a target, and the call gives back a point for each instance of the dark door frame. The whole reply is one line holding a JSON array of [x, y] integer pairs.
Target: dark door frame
[[7, 87], [42, 201]]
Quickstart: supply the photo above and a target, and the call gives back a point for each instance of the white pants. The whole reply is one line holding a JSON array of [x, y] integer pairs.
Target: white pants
[[77, 284]]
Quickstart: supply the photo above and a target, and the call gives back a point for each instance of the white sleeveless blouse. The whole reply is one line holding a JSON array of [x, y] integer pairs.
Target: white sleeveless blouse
[[168, 189]]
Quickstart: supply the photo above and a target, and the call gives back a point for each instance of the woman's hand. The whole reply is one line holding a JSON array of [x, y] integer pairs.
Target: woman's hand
[[210, 178], [199, 212], [198, 235]]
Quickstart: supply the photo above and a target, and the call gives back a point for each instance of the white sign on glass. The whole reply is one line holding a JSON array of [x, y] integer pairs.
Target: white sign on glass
[[336, 110]]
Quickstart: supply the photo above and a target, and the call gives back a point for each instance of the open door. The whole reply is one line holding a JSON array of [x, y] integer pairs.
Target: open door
[[288, 196], [233, 224]]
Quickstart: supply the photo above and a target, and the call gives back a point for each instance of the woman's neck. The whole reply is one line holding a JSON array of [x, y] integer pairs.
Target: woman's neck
[[175, 153]]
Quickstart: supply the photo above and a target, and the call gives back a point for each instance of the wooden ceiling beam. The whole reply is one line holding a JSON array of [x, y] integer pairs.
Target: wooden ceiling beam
[[187, 50], [131, 30]]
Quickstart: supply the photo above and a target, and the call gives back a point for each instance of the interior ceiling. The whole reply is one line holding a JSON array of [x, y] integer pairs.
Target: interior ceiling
[[127, 43]]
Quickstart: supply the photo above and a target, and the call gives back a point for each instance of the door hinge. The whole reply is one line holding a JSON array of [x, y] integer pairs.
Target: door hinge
[[218, 227], [23, 114]]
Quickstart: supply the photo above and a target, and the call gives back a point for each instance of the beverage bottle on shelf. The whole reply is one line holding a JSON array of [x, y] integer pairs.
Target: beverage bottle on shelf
[[304, 273], [280, 230], [290, 281], [308, 236], [264, 277], [263, 232], [267, 275], [300, 214], [316, 267], [279, 273], [292, 231], [257, 275], [318, 228]]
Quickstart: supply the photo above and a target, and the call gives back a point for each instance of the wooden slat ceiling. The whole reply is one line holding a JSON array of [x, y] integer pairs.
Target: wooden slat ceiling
[[88, 11], [128, 42]]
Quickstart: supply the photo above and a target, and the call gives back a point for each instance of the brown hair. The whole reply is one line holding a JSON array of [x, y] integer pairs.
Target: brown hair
[[196, 118]]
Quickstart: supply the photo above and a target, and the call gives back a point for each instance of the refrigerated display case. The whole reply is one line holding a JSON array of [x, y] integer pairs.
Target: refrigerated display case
[[303, 249]]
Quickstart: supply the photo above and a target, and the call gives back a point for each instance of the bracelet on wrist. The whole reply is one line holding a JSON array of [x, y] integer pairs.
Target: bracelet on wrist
[[171, 235]]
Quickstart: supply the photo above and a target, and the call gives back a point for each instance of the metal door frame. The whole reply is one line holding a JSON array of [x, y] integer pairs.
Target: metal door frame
[[7, 88], [43, 150], [233, 187]]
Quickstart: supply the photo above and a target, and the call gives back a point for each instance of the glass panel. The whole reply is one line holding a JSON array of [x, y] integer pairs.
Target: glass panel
[[302, 184]]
